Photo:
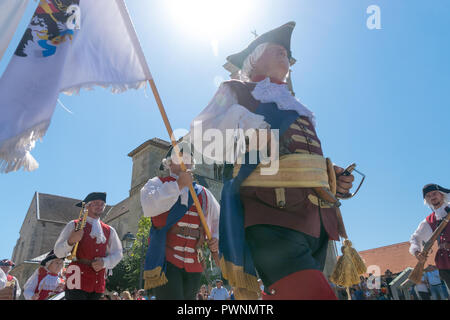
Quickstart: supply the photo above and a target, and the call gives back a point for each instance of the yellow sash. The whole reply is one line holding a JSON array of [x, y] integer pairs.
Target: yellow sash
[[294, 171]]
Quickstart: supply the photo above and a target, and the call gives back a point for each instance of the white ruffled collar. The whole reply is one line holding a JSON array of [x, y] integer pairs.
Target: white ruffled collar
[[440, 212], [96, 230], [267, 91]]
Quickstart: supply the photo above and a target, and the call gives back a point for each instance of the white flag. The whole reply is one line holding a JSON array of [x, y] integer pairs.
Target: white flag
[[69, 45], [11, 12]]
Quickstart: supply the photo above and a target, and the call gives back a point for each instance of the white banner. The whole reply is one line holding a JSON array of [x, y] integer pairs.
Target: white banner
[[69, 45]]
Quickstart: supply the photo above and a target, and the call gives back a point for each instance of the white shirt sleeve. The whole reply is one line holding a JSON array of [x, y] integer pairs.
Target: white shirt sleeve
[[3, 279], [158, 197], [113, 250], [30, 286], [62, 249], [18, 289], [213, 214], [422, 234], [222, 113]]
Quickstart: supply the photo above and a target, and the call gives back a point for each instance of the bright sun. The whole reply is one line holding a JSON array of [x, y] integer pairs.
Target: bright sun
[[212, 18]]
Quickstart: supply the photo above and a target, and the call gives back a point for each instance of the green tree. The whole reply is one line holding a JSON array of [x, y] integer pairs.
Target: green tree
[[127, 274]]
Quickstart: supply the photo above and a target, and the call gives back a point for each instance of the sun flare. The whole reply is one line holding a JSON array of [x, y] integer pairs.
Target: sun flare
[[212, 18]]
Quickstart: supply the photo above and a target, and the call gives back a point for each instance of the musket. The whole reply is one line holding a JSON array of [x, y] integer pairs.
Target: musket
[[416, 275]]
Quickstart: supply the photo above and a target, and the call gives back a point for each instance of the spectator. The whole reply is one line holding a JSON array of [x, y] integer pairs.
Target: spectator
[[126, 295], [422, 290], [358, 293], [11, 281], [434, 280], [115, 296], [202, 293], [219, 292], [413, 293], [388, 278], [261, 287], [232, 294], [139, 295]]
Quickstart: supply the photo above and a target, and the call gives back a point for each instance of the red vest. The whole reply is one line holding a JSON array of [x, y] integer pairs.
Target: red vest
[[44, 293], [88, 249], [180, 250], [442, 257]]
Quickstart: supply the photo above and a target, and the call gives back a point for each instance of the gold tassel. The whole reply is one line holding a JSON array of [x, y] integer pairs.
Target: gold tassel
[[356, 258], [154, 278], [348, 267], [245, 286]]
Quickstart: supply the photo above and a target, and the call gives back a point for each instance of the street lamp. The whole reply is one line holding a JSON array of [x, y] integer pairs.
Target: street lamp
[[127, 241]]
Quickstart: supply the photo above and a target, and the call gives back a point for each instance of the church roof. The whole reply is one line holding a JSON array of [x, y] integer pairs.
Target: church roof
[[160, 143], [57, 209], [118, 210]]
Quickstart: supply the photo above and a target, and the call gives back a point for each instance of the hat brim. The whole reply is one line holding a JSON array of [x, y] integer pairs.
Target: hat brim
[[281, 35], [91, 197], [434, 187]]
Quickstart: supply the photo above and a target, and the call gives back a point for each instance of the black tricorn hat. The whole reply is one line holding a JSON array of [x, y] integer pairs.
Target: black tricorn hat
[[51, 256], [93, 196], [433, 187], [7, 263], [281, 35], [181, 146]]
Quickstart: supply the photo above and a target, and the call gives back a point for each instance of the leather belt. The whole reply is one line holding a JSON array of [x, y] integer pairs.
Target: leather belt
[[186, 231], [85, 261], [445, 245]]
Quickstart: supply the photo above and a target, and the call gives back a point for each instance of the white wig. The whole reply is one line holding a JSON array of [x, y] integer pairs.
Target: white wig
[[446, 199], [250, 61]]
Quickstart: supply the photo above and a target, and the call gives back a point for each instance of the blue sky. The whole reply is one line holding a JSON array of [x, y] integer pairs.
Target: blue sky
[[381, 98]]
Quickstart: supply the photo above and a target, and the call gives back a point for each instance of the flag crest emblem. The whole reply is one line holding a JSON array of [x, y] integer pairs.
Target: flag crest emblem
[[53, 23]]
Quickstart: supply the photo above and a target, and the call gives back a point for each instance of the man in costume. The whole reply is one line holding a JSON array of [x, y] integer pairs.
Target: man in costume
[[11, 289], [437, 198], [99, 248], [174, 259], [275, 224], [46, 280]]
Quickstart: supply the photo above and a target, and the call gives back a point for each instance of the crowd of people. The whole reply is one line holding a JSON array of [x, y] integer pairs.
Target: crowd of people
[[126, 295], [219, 292], [432, 287]]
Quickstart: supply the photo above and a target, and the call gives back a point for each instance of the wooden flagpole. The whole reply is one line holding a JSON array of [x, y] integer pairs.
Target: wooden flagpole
[[182, 165]]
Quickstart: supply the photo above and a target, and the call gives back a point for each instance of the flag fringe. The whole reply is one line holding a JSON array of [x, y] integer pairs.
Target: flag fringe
[[154, 278], [15, 152], [115, 87], [245, 285]]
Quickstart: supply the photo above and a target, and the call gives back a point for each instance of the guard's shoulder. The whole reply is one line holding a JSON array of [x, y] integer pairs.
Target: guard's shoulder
[[233, 83]]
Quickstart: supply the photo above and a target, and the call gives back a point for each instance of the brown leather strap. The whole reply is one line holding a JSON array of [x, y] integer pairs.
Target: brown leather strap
[[85, 261], [185, 231]]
